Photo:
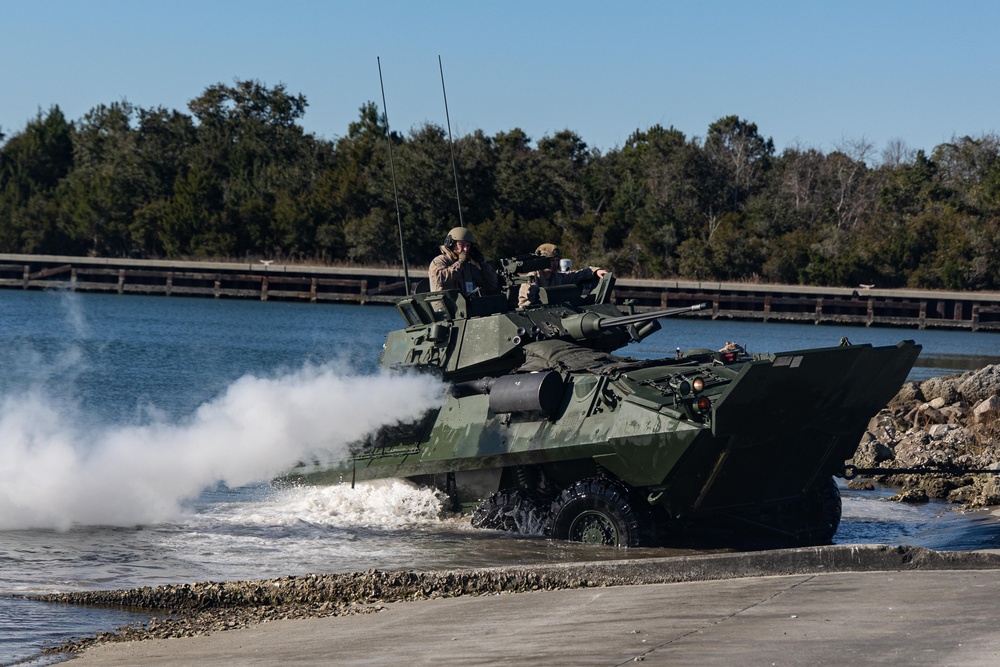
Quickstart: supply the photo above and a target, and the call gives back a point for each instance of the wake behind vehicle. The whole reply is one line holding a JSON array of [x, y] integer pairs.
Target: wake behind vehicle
[[546, 432]]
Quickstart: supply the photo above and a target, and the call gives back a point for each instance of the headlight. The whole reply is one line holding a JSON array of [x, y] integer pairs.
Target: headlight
[[698, 385]]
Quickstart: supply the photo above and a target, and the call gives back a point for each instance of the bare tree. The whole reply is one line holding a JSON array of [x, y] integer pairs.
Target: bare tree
[[855, 184], [896, 153], [801, 177]]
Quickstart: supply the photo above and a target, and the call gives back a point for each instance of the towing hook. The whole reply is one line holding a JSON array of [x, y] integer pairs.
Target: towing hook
[[849, 472]]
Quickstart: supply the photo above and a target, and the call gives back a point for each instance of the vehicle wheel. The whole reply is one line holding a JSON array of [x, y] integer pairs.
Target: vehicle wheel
[[600, 511], [823, 509], [512, 510], [814, 520]]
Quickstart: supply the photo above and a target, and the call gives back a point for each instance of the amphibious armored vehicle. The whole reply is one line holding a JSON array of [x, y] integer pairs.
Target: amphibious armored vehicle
[[546, 432]]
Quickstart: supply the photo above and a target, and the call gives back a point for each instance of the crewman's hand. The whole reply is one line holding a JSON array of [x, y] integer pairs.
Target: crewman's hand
[[600, 273], [462, 256]]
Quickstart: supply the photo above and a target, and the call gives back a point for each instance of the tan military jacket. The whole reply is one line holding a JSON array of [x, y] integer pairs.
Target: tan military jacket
[[527, 295], [445, 272]]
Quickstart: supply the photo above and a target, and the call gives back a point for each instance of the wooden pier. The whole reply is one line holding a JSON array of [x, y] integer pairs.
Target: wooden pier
[[863, 306], [202, 279]]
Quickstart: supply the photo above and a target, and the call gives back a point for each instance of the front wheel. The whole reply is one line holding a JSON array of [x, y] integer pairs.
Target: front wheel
[[600, 511], [813, 521], [823, 507]]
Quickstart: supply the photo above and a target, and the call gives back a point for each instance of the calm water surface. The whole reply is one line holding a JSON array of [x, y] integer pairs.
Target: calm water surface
[[113, 410]]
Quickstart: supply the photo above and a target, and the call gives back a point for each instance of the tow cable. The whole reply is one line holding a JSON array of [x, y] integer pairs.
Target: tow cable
[[850, 472]]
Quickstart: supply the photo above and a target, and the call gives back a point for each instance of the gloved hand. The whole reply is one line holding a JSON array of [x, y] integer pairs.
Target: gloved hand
[[462, 256]]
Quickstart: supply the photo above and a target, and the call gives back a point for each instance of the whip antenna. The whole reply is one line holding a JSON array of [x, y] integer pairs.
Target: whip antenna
[[395, 193], [454, 164]]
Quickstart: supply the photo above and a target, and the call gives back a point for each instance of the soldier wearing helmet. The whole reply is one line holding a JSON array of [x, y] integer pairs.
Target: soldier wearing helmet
[[461, 266], [528, 293]]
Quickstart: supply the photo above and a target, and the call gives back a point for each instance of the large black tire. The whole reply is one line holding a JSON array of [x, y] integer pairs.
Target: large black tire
[[814, 520], [823, 507], [600, 511], [513, 510]]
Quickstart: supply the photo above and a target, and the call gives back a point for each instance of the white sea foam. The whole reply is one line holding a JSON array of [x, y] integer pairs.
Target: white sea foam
[[384, 503], [55, 472], [391, 503]]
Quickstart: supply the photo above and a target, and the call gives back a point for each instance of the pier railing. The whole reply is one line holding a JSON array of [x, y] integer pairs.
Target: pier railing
[[864, 305]]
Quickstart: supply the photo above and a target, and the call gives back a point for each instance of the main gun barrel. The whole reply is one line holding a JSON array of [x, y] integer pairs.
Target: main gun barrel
[[638, 318], [590, 324]]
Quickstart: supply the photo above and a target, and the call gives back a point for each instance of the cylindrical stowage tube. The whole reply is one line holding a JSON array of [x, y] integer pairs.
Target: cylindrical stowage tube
[[526, 392]]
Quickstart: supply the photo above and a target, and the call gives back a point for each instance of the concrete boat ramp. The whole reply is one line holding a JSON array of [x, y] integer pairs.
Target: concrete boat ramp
[[834, 605]]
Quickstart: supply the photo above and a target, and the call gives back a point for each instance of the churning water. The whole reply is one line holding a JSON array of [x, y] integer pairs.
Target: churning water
[[137, 435]]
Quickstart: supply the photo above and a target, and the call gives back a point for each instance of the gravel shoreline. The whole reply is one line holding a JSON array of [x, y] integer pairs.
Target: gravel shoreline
[[204, 608]]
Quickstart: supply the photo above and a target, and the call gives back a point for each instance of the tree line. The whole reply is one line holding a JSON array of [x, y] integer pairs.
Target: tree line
[[237, 177]]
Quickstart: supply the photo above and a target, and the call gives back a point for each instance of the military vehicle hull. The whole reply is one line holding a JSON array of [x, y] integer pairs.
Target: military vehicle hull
[[545, 432]]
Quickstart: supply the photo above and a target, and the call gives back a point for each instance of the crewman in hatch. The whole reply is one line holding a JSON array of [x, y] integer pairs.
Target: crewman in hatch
[[550, 277], [461, 266]]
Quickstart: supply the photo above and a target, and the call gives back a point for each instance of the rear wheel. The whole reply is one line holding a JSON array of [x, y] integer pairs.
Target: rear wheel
[[600, 511], [512, 510]]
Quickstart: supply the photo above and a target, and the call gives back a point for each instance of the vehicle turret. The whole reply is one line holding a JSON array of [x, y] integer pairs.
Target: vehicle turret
[[464, 337]]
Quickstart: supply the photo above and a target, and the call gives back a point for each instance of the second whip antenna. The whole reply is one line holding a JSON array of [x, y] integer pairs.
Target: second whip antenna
[[454, 163], [395, 193]]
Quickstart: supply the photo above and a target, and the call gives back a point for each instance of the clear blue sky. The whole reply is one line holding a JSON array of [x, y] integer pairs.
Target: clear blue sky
[[806, 72]]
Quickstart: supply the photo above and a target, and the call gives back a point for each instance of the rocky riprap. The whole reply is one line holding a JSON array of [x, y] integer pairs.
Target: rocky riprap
[[948, 422]]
